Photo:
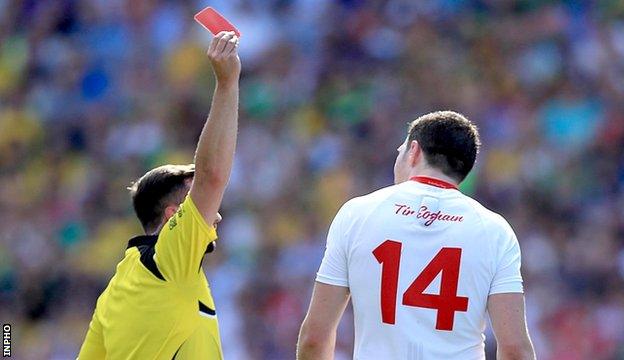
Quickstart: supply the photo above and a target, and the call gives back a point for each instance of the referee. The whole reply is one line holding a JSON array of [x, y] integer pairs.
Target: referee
[[158, 304]]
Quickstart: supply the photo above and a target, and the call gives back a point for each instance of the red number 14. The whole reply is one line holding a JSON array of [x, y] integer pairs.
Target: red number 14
[[446, 261]]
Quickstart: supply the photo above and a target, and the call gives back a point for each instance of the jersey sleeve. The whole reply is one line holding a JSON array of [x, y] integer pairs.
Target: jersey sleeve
[[182, 243], [93, 346], [507, 278], [334, 269]]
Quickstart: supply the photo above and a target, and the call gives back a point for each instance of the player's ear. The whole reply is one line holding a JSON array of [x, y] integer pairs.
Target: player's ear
[[414, 153]]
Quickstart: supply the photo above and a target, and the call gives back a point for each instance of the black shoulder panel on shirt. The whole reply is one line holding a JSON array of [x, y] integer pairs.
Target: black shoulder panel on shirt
[[145, 244], [147, 259], [143, 240]]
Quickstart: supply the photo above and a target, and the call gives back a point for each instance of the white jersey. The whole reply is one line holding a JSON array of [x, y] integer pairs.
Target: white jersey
[[420, 260]]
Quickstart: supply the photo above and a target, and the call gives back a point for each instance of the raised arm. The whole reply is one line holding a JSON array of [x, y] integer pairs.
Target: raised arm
[[215, 149], [509, 324]]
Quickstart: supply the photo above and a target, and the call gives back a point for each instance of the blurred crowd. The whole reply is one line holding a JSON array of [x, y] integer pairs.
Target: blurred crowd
[[93, 93]]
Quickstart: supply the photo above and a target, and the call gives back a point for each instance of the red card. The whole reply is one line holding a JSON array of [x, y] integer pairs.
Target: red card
[[215, 22]]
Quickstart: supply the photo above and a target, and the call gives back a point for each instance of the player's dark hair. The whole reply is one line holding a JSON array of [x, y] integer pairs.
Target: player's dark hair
[[449, 141], [157, 189]]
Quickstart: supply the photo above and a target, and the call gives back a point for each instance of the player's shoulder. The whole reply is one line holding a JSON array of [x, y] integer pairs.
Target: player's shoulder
[[365, 204], [490, 219], [374, 198]]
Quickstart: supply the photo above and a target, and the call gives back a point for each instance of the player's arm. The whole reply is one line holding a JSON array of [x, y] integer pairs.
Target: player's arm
[[215, 149], [506, 302], [508, 319], [317, 337]]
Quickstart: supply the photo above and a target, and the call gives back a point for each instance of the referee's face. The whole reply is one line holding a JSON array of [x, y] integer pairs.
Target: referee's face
[[217, 220]]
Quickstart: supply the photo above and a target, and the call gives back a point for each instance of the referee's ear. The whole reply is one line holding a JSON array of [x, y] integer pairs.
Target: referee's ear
[[170, 210]]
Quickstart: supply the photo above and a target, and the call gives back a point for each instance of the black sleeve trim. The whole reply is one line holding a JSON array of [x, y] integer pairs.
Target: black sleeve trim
[[176, 353]]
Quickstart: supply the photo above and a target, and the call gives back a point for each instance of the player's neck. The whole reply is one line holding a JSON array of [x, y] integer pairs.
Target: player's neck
[[433, 173]]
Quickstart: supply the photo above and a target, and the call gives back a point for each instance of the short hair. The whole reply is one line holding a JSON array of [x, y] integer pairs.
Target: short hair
[[158, 188], [449, 141]]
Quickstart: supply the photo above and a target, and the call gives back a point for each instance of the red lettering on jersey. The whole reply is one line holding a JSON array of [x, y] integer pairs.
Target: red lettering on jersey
[[404, 210], [424, 213], [431, 217]]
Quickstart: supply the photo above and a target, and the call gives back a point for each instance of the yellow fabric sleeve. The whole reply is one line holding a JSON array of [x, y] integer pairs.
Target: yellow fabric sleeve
[[93, 345], [182, 243]]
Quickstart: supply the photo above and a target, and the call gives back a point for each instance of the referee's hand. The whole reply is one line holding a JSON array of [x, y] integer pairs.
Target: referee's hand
[[223, 56]]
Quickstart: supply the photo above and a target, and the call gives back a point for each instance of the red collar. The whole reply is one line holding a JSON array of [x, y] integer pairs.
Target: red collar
[[433, 182]]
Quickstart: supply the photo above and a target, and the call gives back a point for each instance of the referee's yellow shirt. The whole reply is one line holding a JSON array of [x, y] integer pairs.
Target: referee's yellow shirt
[[158, 304]]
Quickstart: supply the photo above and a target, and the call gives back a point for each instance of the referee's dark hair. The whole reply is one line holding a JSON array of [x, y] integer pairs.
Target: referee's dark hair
[[449, 141], [158, 188]]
